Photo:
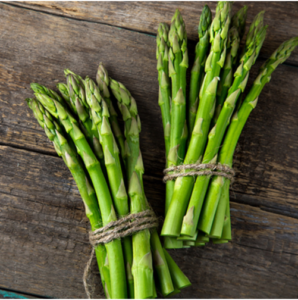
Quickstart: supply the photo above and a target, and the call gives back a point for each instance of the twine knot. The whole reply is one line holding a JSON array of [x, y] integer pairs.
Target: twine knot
[[121, 228], [199, 170]]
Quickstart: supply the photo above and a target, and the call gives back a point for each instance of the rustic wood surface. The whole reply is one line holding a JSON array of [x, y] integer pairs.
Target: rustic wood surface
[[7, 294], [43, 230]]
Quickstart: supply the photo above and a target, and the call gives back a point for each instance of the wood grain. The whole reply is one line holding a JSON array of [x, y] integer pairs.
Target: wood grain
[[145, 16], [266, 162], [44, 241], [6, 294], [43, 230]]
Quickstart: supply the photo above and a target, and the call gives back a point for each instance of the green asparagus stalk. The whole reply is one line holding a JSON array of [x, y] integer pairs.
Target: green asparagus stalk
[[216, 135], [96, 146], [101, 120], [201, 239], [76, 91], [38, 88], [239, 21], [62, 87], [164, 99], [218, 222], [214, 63], [178, 55], [226, 76], [102, 79], [114, 248], [178, 64], [226, 231], [188, 238], [135, 170], [197, 71], [237, 123], [74, 95], [69, 155], [142, 268], [179, 279], [235, 35], [165, 104], [79, 80]]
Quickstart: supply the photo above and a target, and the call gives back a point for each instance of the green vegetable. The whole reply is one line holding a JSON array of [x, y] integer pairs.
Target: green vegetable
[[216, 135], [114, 248], [143, 251], [197, 71], [164, 100], [237, 123], [178, 64], [102, 79], [142, 268], [100, 117], [235, 35], [69, 155], [183, 185]]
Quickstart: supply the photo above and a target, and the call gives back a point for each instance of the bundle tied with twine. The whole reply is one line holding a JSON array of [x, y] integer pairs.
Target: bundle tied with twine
[[121, 228], [199, 170]]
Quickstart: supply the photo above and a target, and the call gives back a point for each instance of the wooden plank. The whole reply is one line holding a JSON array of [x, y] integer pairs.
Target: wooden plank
[[266, 162], [145, 16], [6, 294], [44, 240]]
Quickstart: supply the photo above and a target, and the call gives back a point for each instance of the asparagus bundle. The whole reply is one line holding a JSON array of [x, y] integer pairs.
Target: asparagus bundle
[[198, 209], [218, 37], [84, 128]]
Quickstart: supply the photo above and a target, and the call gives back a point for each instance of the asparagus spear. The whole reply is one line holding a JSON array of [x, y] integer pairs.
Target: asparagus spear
[[79, 80], [62, 87], [183, 185], [179, 279], [69, 155], [239, 20], [79, 106], [142, 269], [178, 64], [38, 88], [164, 101], [238, 121], [76, 92], [235, 35], [226, 231], [135, 170], [178, 55], [219, 218], [216, 135], [93, 134], [114, 248], [102, 80], [100, 116], [197, 71]]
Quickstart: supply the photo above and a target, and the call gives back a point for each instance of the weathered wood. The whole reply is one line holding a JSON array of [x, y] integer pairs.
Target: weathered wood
[[5, 294], [43, 230], [44, 241], [145, 17], [266, 165]]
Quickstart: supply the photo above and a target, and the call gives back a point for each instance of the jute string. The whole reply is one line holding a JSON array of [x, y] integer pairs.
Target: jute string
[[199, 170], [121, 228]]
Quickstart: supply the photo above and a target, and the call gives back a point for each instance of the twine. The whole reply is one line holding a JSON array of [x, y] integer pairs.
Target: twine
[[121, 228], [213, 169]]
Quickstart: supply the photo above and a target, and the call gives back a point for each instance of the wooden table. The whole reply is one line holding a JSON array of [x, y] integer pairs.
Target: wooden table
[[43, 231]]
